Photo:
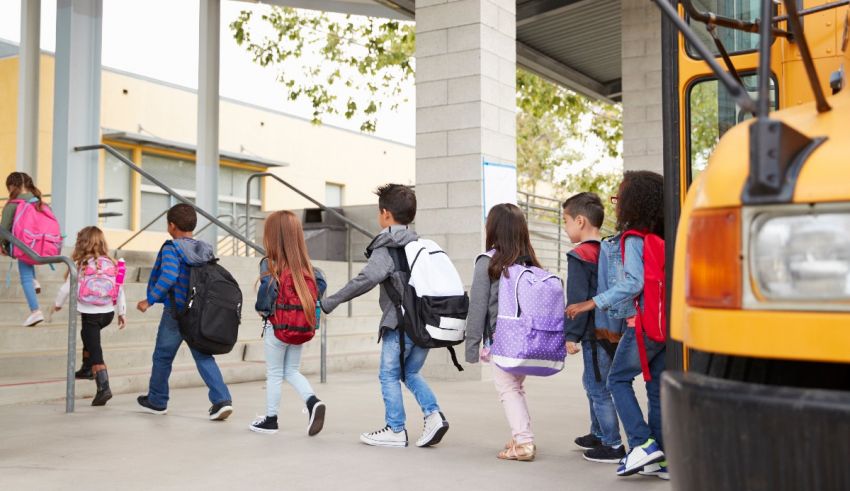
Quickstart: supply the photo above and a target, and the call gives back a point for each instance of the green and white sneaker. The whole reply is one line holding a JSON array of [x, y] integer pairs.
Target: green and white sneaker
[[639, 457]]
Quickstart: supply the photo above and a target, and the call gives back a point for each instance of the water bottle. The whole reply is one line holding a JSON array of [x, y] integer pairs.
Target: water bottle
[[122, 270]]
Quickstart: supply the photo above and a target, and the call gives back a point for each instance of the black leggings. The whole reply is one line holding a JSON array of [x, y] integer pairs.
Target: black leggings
[[92, 324]]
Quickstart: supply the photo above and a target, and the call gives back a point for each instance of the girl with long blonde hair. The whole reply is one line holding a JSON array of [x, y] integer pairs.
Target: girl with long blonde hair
[[100, 293], [287, 302]]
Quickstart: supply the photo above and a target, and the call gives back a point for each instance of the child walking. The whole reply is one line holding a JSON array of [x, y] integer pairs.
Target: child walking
[[288, 276], [396, 210], [169, 284], [22, 189], [640, 207], [508, 239], [583, 216], [100, 294]]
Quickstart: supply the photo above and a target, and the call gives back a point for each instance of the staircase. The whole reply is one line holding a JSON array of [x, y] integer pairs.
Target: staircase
[[33, 359]]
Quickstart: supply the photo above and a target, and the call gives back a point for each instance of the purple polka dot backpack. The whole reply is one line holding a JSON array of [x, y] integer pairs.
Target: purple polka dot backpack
[[529, 337]]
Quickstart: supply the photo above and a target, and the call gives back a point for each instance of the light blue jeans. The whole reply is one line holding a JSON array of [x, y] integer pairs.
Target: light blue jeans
[[603, 416], [27, 272], [390, 377], [283, 362]]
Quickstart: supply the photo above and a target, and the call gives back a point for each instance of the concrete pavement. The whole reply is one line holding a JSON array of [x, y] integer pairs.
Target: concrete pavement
[[118, 447]]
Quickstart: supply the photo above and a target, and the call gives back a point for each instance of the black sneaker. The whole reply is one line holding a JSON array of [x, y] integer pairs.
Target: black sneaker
[[588, 441], [605, 454], [143, 401], [316, 411], [221, 410], [264, 424]]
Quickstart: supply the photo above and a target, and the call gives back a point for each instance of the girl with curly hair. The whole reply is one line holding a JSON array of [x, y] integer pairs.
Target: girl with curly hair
[[640, 207]]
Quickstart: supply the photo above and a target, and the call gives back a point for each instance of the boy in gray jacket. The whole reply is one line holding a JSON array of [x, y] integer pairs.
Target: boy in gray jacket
[[396, 210]]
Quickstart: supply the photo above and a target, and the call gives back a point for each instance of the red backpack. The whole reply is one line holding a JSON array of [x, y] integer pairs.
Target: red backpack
[[288, 319], [652, 318]]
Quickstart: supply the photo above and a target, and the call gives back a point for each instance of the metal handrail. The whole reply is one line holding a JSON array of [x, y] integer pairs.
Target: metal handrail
[[129, 163], [322, 207], [72, 309], [139, 232]]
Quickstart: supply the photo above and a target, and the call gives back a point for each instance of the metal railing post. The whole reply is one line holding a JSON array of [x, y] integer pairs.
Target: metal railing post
[[323, 355], [350, 258]]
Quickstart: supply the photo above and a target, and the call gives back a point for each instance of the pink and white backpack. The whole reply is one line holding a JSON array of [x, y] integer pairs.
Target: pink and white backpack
[[98, 282], [39, 230]]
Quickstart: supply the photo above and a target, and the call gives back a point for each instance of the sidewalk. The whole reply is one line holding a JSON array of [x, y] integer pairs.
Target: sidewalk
[[118, 447]]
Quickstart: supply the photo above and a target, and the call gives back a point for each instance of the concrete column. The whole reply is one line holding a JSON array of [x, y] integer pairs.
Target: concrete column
[[206, 168], [76, 113], [642, 123], [28, 84], [465, 117]]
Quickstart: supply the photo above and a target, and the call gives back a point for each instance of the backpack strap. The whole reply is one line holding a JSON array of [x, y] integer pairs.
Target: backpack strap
[[641, 343], [399, 265]]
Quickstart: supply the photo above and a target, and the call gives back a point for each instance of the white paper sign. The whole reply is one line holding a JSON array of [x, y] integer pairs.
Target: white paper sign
[[499, 184]]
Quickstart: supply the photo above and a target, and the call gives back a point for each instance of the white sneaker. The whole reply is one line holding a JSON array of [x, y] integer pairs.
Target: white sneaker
[[435, 427], [34, 319], [638, 457], [385, 437], [658, 470]]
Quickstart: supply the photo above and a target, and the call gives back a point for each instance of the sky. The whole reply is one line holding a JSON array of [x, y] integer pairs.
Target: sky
[[159, 39]]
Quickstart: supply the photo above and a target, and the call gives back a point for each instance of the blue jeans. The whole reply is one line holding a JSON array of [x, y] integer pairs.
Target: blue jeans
[[168, 341], [603, 417], [283, 362], [390, 377], [27, 272], [624, 368]]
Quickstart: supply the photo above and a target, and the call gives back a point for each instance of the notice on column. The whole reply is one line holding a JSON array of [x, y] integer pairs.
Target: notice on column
[[499, 182]]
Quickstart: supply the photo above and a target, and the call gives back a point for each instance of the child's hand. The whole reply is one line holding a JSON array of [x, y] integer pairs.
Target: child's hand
[[572, 348], [143, 306], [122, 322], [579, 308]]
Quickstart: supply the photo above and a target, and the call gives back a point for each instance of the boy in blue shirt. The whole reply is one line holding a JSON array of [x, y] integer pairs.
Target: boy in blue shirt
[[169, 285], [583, 216]]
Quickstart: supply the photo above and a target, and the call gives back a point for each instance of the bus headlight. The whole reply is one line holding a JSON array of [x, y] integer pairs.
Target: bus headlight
[[801, 258]]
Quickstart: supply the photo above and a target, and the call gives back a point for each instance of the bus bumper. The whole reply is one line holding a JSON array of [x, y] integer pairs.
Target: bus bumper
[[728, 435]]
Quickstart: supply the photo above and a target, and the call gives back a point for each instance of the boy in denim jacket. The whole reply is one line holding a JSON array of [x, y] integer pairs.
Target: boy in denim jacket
[[583, 216]]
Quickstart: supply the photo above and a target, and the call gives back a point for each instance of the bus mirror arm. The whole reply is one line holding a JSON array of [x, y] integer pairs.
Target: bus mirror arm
[[712, 29], [736, 90]]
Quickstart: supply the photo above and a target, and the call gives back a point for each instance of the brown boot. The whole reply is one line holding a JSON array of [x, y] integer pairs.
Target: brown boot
[[101, 378]]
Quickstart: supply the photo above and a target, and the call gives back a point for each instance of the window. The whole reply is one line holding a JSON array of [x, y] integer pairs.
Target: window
[[711, 113], [735, 41], [333, 195], [179, 174], [117, 184]]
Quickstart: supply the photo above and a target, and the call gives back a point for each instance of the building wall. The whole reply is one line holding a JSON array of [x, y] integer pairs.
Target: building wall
[[642, 126], [316, 154]]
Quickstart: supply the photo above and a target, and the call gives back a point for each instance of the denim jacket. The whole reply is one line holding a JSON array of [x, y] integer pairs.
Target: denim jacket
[[268, 291], [619, 284]]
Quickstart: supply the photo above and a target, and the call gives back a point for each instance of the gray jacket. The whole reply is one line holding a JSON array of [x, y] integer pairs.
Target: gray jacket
[[194, 251], [378, 269], [483, 308]]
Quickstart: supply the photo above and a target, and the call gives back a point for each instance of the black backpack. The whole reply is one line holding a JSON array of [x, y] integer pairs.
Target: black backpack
[[209, 322], [421, 316]]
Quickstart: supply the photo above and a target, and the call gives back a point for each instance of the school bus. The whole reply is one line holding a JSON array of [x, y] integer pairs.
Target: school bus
[[757, 393]]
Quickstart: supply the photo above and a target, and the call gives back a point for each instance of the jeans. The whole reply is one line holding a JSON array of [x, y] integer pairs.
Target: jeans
[[90, 333], [390, 377], [603, 417], [168, 340], [512, 395], [283, 362], [624, 368], [27, 272]]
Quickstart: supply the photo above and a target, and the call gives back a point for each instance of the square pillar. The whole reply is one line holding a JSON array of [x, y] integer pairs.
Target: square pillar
[[76, 113], [207, 161], [642, 114], [28, 86], [465, 123]]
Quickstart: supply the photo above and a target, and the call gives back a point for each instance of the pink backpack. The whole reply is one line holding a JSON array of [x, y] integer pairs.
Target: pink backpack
[[37, 229], [98, 282]]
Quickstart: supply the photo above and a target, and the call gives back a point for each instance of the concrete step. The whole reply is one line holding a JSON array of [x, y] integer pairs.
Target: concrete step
[[23, 390]]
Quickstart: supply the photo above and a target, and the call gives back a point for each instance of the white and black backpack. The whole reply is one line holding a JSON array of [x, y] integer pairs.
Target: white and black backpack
[[433, 305]]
